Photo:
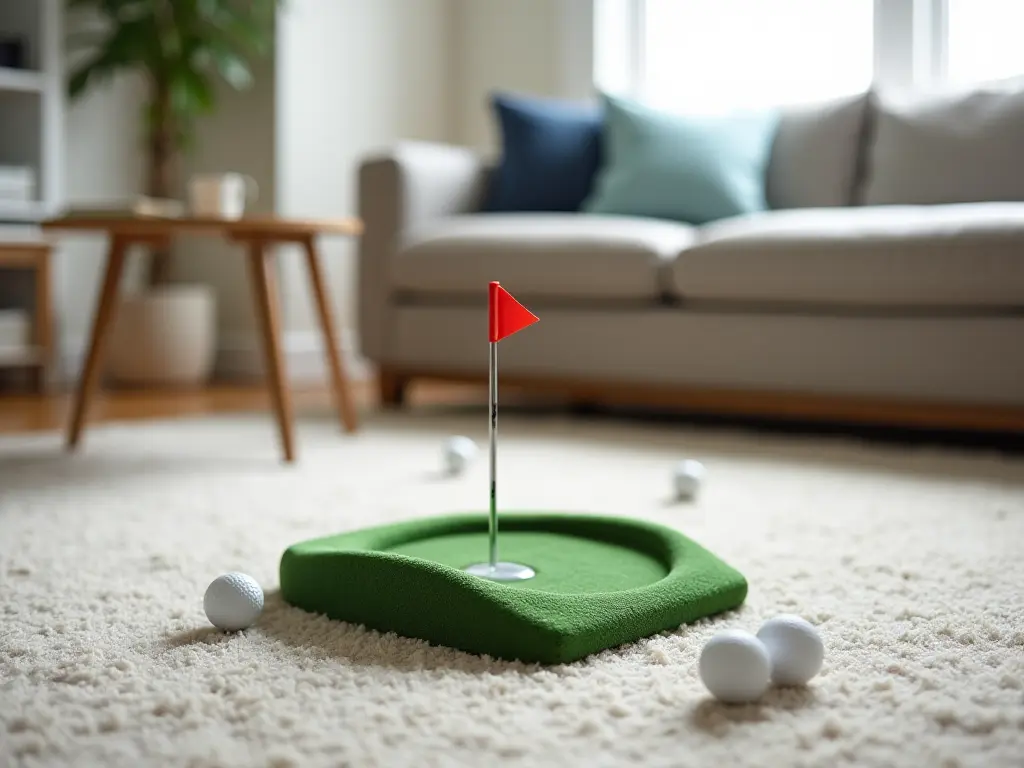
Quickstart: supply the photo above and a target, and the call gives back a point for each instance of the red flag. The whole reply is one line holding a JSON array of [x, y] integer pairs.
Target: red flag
[[506, 314]]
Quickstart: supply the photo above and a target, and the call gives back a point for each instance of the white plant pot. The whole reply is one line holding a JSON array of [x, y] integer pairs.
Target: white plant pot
[[164, 337]]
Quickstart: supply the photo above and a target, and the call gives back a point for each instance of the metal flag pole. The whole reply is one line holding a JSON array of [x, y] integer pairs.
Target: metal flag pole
[[506, 317], [492, 530]]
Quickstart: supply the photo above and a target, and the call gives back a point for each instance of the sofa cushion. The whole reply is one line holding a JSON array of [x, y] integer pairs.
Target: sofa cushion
[[961, 147], [688, 168], [815, 159], [965, 255], [541, 255], [550, 154]]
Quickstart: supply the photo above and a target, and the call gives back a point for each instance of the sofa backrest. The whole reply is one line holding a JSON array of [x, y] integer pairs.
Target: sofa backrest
[[816, 158], [962, 147]]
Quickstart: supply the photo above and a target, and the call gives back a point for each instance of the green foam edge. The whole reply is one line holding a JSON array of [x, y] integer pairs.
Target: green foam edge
[[601, 582]]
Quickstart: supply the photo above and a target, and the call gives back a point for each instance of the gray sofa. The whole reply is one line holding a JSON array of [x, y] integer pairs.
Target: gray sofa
[[886, 283]]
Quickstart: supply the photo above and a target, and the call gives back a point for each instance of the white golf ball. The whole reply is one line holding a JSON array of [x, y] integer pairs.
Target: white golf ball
[[687, 478], [795, 648], [233, 601], [735, 667], [459, 451]]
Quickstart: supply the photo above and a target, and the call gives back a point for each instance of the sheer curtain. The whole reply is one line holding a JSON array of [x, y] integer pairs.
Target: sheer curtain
[[723, 55], [984, 40]]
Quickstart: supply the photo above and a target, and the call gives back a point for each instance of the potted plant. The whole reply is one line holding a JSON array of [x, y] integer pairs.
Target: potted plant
[[182, 50]]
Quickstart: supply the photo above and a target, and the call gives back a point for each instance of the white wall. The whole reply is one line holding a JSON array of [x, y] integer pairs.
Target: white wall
[[353, 76], [238, 137], [103, 164], [504, 45]]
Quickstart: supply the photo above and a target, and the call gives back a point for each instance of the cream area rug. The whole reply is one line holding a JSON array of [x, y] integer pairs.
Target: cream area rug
[[909, 561]]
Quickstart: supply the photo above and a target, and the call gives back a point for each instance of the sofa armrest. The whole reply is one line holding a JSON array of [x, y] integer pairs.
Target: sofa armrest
[[405, 188]]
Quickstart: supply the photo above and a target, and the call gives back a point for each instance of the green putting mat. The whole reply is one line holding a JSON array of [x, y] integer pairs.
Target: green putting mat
[[601, 582]]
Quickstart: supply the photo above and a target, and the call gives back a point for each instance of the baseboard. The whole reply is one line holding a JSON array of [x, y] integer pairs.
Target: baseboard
[[240, 358], [867, 410]]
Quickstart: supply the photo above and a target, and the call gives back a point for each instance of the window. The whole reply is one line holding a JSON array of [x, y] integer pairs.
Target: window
[[714, 55], [983, 40], [722, 55]]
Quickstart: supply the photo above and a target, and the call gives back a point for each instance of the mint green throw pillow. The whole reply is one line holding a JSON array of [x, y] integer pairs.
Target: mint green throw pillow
[[685, 168]]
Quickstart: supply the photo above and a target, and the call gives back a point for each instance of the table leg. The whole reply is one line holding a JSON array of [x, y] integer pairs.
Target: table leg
[[265, 289], [103, 321], [343, 398]]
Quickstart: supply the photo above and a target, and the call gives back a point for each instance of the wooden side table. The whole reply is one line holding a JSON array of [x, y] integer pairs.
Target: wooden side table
[[258, 235], [34, 256]]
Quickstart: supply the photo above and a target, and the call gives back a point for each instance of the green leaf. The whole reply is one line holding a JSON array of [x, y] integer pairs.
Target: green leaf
[[183, 46], [99, 68], [85, 39], [208, 9], [115, 10], [81, 78], [133, 10], [232, 68], [133, 42], [191, 93], [250, 32]]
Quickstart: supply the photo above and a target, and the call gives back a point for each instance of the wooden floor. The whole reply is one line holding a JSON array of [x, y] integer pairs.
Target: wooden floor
[[31, 413], [34, 413]]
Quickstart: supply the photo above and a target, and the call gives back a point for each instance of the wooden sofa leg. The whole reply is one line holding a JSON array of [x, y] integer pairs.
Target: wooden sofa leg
[[392, 388]]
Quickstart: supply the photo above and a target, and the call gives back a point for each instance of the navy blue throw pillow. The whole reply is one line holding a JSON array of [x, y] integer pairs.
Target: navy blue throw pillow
[[551, 152]]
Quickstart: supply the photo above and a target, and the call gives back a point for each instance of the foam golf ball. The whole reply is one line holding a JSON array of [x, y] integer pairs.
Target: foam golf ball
[[735, 667], [795, 648], [459, 451], [233, 601], [687, 478]]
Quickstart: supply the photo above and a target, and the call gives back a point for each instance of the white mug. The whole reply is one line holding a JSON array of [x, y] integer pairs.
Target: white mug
[[222, 195]]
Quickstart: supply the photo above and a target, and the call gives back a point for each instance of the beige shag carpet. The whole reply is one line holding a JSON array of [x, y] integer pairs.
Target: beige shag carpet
[[910, 561]]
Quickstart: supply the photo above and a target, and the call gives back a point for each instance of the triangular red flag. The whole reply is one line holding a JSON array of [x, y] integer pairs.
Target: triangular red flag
[[506, 314]]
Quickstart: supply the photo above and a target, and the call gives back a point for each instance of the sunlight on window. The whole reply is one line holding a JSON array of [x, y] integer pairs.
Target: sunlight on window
[[985, 40], [612, 50], [721, 55]]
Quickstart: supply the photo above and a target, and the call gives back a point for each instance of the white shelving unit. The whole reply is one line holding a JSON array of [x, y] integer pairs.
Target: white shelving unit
[[32, 104], [20, 80]]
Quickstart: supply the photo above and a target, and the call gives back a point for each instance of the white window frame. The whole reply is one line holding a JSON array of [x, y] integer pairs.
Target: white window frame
[[910, 45]]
